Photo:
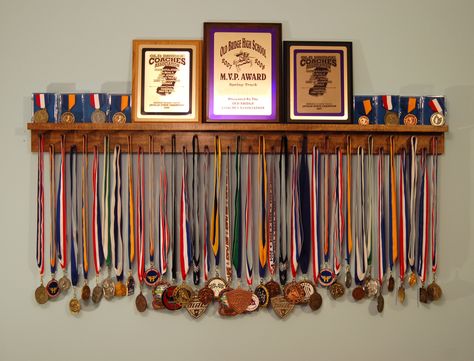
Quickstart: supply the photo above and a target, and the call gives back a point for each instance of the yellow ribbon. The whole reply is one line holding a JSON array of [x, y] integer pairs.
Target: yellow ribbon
[[123, 102], [367, 106], [411, 104], [71, 101]]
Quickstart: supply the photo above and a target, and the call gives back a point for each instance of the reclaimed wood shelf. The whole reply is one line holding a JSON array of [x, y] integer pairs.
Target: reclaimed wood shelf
[[334, 135]]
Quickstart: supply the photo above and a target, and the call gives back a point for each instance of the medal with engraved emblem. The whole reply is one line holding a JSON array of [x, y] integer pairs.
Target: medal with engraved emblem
[[390, 117], [216, 284], [183, 294], [109, 288], [437, 117], [196, 307], [364, 119], [157, 293], [239, 300], [281, 306], [74, 306], [262, 294], [98, 115], [168, 299], [85, 291], [141, 303], [308, 289], [41, 295], [120, 117], [410, 118], [41, 115], [206, 295], [424, 221], [68, 117], [294, 292]]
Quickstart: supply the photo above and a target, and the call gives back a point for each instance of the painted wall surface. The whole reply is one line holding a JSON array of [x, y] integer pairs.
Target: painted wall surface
[[402, 47]]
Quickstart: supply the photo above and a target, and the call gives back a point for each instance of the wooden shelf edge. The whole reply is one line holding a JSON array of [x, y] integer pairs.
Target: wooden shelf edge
[[236, 127]]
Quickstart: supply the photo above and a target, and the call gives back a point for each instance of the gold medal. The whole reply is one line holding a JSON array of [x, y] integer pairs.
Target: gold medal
[[109, 288], [434, 292], [67, 118], [86, 292], [41, 295], [74, 306], [391, 118], [97, 294], [195, 307], [336, 290], [281, 306], [401, 294], [294, 292], [183, 294], [119, 118], [371, 287], [120, 289], [412, 279], [437, 119], [363, 120], [410, 119], [40, 116]]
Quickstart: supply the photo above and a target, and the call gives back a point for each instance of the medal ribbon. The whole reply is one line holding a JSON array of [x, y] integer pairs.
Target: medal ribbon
[[196, 230], [151, 204], [339, 211], [237, 242], [131, 214], [262, 181], [248, 223], [124, 102], [387, 102], [140, 216], [367, 106], [39, 100], [361, 249], [106, 239], [270, 220], [434, 208], [370, 191], [295, 225], [52, 185], [117, 214], [326, 206], [403, 226], [435, 106], [215, 232], [206, 238], [413, 197], [74, 245], [71, 101], [185, 245], [349, 203], [411, 104], [305, 209], [61, 215], [164, 229], [174, 245], [228, 263], [40, 210], [85, 209], [315, 212], [96, 219], [424, 220], [283, 258], [95, 101], [393, 249], [382, 261]]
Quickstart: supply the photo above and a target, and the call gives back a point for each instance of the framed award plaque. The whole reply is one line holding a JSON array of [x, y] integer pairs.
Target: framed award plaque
[[242, 72], [166, 81], [318, 81]]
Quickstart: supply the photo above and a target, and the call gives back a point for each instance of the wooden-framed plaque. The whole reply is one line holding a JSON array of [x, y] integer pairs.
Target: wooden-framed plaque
[[242, 72], [318, 81], [166, 81]]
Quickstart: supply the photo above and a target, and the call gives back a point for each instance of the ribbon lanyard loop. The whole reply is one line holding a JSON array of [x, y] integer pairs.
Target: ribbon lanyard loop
[[237, 241]]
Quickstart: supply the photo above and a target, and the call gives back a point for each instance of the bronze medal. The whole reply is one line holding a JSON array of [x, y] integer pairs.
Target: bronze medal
[[358, 293], [391, 284], [401, 294], [52, 288], [263, 296], [281, 306], [391, 118], [434, 292], [254, 303], [195, 307], [308, 289], [120, 289], [157, 292], [380, 303], [67, 118], [273, 288], [97, 294], [74, 306], [239, 300], [410, 119], [315, 301], [437, 119], [130, 285], [423, 295], [141, 303], [41, 116], [168, 299], [294, 293], [224, 307], [363, 120], [183, 294], [216, 284], [41, 295], [206, 295], [109, 288], [371, 287], [412, 279], [85, 292], [336, 290], [119, 118], [98, 116], [64, 283]]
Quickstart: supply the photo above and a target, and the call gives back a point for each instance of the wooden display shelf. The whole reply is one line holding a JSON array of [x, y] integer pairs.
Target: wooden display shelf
[[334, 135]]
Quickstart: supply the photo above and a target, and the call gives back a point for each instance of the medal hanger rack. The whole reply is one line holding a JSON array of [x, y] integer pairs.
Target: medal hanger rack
[[322, 135]]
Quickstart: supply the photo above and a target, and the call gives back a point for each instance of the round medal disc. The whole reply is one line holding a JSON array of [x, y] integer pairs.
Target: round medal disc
[[363, 120], [40, 116], [216, 284], [98, 116], [53, 288], [371, 287], [336, 290], [86, 292], [434, 291], [109, 288], [391, 118], [119, 118], [140, 303], [97, 294], [183, 294], [41, 295], [294, 292], [410, 119], [64, 283], [74, 306], [273, 288], [152, 276], [263, 296], [120, 289], [437, 119], [308, 289], [253, 304], [326, 277], [68, 118], [206, 295], [315, 301], [168, 300], [358, 293]]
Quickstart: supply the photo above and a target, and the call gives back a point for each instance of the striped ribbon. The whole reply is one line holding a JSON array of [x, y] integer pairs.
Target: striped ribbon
[[117, 243], [61, 210], [228, 261], [295, 220], [403, 211], [140, 237], [131, 208], [349, 240], [164, 237], [106, 245], [423, 223], [85, 209], [413, 197], [434, 208], [215, 231], [315, 212], [370, 196], [360, 263], [393, 249], [185, 243], [96, 218], [52, 197], [248, 224], [305, 209], [74, 233], [283, 258], [237, 240], [382, 261], [206, 230], [196, 231], [271, 231], [40, 210], [262, 182]]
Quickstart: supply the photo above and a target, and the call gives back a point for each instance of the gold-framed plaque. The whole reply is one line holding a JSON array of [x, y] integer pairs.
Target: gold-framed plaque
[[242, 72], [166, 80], [318, 81]]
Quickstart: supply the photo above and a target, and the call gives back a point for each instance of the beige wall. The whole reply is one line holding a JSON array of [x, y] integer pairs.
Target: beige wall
[[405, 47]]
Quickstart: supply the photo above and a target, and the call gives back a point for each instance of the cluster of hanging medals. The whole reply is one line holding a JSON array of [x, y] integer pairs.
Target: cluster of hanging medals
[[294, 215]]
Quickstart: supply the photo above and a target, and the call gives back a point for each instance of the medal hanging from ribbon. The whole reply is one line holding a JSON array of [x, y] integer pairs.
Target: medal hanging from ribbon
[[360, 263], [381, 242], [364, 119], [237, 240], [423, 227], [96, 228], [437, 118], [215, 231], [140, 301], [196, 231], [41, 115], [249, 247], [163, 218], [68, 116], [174, 242], [41, 294], [393, 237], [206, 230], [228, 262], [349, 239], [413, 197], [262, 182], [185, 244], [403, 226], [120, 116], [410, 119], [86, 291], [98, 115], [130, 285], [284, 165], [74, 304]]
